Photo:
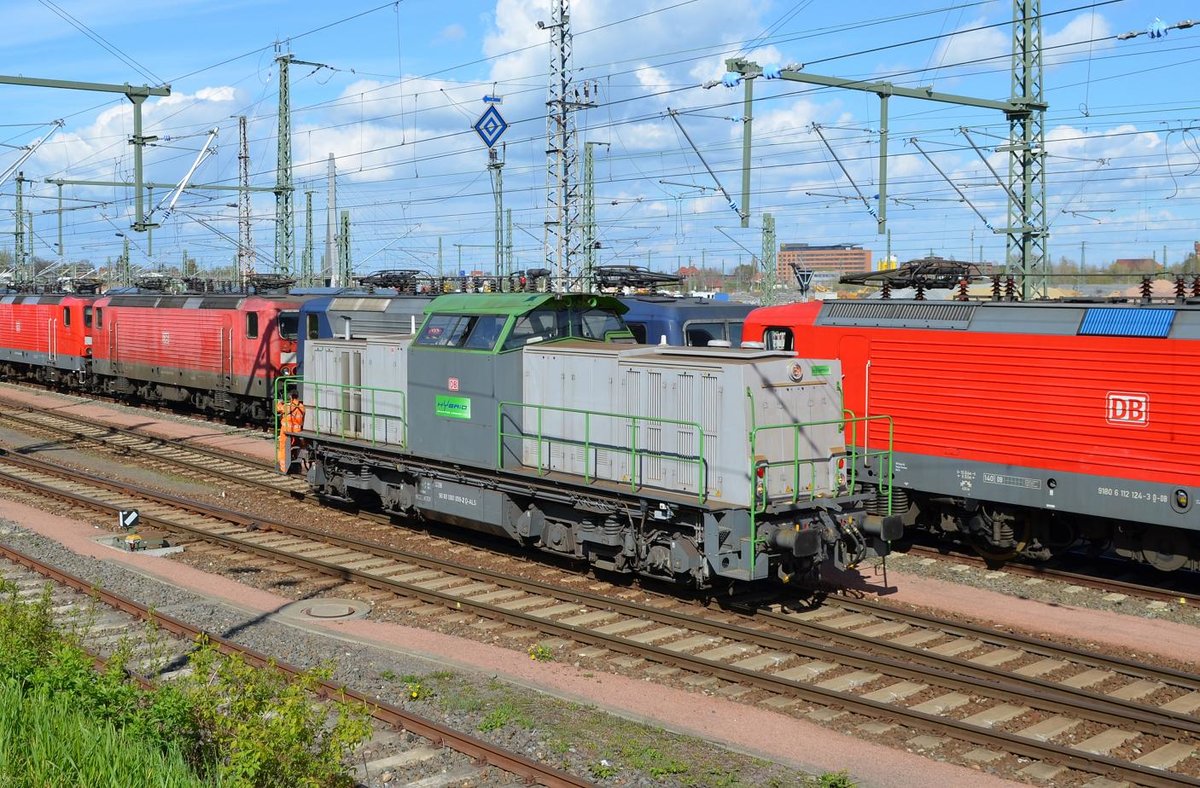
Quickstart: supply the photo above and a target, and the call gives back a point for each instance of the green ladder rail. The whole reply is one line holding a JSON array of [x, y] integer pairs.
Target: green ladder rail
[[635, 454], [369, 408]]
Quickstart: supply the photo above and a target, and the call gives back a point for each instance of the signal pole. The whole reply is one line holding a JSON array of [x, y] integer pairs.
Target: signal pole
[[496, 167]]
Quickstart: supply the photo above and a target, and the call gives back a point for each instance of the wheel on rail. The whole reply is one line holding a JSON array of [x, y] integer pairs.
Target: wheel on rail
[[1166, 549], [999, 536]]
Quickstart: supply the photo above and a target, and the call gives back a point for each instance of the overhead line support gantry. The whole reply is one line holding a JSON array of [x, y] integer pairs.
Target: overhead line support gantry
[[137, 94], [1026, 229]]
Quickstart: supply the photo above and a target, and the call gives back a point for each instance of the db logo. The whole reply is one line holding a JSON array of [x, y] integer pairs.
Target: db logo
[[452, 384], [1125, 407]]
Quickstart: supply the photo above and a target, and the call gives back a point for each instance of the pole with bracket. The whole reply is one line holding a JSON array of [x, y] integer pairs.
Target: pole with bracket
[[137, 95]]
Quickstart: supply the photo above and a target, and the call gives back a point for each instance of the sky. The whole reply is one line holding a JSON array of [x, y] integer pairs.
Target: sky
[[400, 85]]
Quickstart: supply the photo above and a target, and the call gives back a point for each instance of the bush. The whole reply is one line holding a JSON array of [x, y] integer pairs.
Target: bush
[[257, 728], [233, 724]]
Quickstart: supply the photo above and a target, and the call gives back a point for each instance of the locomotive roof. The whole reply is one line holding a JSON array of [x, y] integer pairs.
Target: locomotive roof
[[518, 303], [44, 298], [1083, 318], [197, 301], [688, 306]]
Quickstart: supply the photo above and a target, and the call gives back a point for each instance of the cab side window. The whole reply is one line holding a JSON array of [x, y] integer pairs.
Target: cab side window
[[251, 325], [313, 328], [66, 317], [87, 317], [639, 332], [99, 317]]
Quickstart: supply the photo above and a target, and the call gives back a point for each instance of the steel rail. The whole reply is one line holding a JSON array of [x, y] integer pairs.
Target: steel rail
[[984, 676]]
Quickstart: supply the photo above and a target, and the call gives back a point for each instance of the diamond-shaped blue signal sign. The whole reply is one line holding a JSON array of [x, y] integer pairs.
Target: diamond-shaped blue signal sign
[[490, 126]]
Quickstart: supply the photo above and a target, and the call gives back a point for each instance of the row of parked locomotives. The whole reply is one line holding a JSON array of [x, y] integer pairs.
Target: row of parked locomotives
[[653, 319], [215, 353], [1024, 428], [535, 418]]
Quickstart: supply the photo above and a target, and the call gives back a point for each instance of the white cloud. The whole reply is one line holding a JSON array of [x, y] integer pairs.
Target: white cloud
[[1073, 41], [971, 44], [455, 32]]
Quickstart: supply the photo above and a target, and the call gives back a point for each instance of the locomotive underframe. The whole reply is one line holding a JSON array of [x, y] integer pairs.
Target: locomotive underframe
[[659, 536], [1005, 511]]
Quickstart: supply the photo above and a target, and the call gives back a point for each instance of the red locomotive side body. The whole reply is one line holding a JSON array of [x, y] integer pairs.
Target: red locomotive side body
[[50, 332], [210, 349], [1020, 403]]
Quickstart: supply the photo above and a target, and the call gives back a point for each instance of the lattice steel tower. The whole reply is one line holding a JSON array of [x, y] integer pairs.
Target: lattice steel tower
[[561, 237], [1027, 233], [285, 238], [245, 236]]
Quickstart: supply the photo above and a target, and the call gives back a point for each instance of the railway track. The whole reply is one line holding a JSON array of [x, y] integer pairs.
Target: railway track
[[160, 646], [196, 460], [1014, 696], [153, 450], [1106, 584]]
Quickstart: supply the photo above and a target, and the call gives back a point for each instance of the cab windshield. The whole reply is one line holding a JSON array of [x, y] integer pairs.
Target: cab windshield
[[546, 325], [471, 332]]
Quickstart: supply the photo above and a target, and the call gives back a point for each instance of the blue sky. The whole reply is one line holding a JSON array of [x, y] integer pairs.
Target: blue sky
[[405, 82]]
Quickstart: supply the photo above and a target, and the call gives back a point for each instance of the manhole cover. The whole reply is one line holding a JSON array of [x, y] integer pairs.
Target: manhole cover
[[326, 609]]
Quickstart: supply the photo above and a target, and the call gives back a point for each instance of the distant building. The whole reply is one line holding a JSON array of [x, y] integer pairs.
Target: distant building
[[823, 259]]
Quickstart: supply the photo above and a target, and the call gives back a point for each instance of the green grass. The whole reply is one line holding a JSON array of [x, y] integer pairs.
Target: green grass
[[49, 740], [505, 714], [230, 723]]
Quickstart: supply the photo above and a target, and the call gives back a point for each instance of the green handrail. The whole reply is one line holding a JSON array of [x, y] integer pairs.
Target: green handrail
[[313, 392], [888, 462], [700, 461], [761, 499]]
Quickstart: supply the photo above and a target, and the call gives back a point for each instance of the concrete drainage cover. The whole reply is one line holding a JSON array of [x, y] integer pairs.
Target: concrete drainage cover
[[326, 609]]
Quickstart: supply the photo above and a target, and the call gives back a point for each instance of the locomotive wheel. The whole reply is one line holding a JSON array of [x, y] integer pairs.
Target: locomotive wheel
[[1165, 549], [996, 554]]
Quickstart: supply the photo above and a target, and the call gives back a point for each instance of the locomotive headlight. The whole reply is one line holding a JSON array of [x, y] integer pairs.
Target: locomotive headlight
[[1181, 499]]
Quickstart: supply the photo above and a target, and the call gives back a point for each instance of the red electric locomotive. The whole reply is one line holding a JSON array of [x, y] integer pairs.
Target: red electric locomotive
[[217, 353], [46, 338], [1024, 426]]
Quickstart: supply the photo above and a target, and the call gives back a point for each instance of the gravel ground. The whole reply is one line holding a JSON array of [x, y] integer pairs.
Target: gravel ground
[[1046, 590], [578, 738]]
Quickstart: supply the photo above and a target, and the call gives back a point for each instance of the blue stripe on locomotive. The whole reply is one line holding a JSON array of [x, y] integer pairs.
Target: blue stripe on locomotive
[[321, 317], [684, 321], [314, 324]]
